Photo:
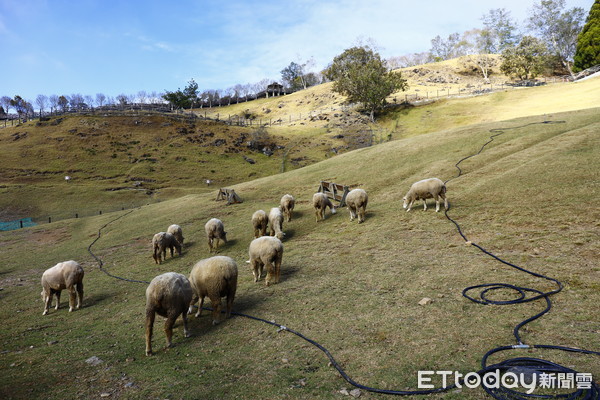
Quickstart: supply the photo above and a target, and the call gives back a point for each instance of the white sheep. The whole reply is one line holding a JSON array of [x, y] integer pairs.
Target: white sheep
[[161, 242], [320, 202], [176, 231], [215, 231], [64, 275], [286, 204], [426, 189], [260, 222], [169, 296], [266, 251], [356, 201], [276, 223], [214, 277]]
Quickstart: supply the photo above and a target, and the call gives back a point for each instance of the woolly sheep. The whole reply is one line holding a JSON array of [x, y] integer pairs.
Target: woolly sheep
[[260, 222], [286, 204], [276, 223], [266, 251], [169, 296], [215, 231], [64, 275], [426, 189], [214, 277], [320, 202], [176, 231], [356, 201], [160, 242]]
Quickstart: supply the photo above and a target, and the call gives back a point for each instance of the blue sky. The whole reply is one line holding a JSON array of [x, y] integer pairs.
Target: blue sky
[[113, 47]]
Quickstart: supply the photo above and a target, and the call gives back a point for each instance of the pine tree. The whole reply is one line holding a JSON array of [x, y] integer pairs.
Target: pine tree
[[587, 53]]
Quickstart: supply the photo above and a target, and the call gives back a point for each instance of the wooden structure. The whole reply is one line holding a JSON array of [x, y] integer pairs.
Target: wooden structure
[[230, 195], [335, 192]]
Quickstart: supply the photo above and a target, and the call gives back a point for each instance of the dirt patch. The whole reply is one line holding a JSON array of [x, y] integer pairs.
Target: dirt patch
[[49, 236]]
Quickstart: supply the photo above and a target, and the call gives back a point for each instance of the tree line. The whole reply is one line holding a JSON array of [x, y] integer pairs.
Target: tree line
[[552, 40]]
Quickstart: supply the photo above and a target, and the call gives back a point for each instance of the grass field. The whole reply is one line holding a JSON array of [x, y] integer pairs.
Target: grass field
[[530, 197]]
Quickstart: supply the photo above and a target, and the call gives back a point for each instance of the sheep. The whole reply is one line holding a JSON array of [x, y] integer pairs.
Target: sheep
[[286, 204], [260, 222], [276, 223], [266, 251], [64, 275], [176, 231], [160, 242], [356, 201], [169, 296], [320, 202], [214, 277], [426, 189], [215, 231]]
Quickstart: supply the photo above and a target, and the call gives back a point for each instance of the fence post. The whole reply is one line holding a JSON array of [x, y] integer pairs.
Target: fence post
[[76, 215], [49, 219], [21, 223], [100, 212]]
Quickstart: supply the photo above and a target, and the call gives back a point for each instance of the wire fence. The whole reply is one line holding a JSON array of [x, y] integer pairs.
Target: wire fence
[[27, 222]]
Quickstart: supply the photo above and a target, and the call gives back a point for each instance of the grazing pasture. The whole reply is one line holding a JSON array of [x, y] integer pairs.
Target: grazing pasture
[[531, 197]]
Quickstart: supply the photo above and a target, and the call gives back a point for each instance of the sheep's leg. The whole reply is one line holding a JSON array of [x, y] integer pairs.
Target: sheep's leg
[[170, 248], [169, 328], [255, 270], [361, 215], [230, 298], [445, 201], [79, 295], [270, 273], [199, 312], [191, 305], [424, 204], [437, 203], [210, 245], [47, 302], [216, 305], [72, 298], [186, 332], [149, 326], [410, 203], [57, 293], [277, 270]]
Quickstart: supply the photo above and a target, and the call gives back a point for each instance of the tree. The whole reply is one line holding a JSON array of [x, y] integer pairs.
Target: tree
[[362, 76], [587, 52], [100, 99], [185, 98], [525, 61], [444, 49], [63, 103], [20, 105], [41, 102], [498, 31], [557, 29], [292, 76], [53, 100], [5, 102]]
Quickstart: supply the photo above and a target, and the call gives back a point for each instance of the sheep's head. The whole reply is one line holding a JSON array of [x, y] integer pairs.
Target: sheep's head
[[224, 236], [405, 202], [280, 235], [333, 210]]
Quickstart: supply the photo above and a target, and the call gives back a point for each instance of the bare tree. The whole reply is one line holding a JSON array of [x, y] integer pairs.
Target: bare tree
[[100, 99], [41, 101], [5, 102], [142, 96]]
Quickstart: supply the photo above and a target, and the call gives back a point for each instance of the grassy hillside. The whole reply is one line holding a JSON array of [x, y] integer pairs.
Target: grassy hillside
[[122, 161], [530, 197]]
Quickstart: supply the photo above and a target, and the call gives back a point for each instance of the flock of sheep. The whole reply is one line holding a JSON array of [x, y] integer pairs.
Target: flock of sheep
[[172, 294]]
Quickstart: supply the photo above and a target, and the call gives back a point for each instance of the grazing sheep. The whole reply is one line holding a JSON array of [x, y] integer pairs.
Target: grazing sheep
[[176, 231], [286, 205], [320, 202], [357, 200], [169, 296], [276, 223], [260, 222], [426, 189], [266, 251], [160, 242], [214, 277], [64, 275], [215, 231]]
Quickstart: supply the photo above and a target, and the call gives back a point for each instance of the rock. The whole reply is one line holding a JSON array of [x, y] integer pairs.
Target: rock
[[355, 393], [50, 343], [105, 394], [344, 392], [94, 361], [424, 301]]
